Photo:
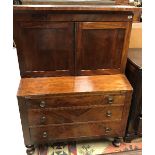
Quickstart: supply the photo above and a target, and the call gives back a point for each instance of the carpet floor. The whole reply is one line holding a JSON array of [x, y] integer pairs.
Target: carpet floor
[[91, 148]]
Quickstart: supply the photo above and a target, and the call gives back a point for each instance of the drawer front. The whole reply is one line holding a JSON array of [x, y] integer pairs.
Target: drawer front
[[74, 131], [74, 114], [74, 100]]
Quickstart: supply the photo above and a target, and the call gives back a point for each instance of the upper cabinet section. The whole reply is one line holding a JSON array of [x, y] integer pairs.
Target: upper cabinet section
[[69, 40]]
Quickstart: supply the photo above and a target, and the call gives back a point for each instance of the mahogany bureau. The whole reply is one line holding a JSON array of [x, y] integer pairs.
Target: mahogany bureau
[[72, 60], [56, 109]]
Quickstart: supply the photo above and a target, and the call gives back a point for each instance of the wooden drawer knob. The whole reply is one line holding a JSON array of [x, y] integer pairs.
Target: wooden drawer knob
[[43, 119], [110, 99], [130, 17], [107, 130], [108, 113], [42, 104], [45, 134]]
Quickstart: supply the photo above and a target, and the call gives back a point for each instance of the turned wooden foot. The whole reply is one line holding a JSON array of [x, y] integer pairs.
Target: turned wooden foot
[[30, 149], [127, 138], [117, 141]]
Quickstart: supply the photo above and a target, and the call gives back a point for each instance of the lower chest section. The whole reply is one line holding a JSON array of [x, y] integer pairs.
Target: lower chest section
[[57, 118]]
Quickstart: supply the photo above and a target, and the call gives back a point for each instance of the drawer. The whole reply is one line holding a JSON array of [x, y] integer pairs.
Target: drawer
[[74, 114], [75, 100], [74, 131]]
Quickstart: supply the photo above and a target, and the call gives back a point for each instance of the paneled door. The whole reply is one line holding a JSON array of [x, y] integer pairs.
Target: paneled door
[[101, 47], [45, 48]]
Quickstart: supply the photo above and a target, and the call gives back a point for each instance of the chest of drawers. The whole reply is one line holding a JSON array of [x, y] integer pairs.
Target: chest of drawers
[[72, 60], [73, 108]]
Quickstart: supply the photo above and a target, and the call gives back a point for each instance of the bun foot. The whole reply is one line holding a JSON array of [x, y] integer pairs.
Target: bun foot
[[127, 139], [30, 149], [117, 141]]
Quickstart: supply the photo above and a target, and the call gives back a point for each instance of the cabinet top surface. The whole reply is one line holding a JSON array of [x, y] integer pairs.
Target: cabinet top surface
[[73, 84], [75, 7]]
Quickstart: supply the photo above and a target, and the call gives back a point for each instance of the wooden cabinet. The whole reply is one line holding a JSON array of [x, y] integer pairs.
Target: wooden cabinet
[[58, 46]]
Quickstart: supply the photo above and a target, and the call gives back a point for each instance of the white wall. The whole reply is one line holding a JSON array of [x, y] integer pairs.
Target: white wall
[[11, 137]]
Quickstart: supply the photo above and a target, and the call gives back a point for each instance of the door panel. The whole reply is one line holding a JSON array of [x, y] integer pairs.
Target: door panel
[[101, 47], [45, 48]]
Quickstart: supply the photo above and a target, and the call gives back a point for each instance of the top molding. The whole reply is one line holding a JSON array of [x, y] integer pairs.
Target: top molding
[[76, 8]]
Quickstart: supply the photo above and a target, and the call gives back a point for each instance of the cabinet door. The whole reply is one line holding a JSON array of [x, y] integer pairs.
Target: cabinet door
[[101, 47], [44, 48]]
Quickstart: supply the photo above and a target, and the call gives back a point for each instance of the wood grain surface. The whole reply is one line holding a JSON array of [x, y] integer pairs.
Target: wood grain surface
[[75, 100], [73, 115], [73, 84], [74, 131]]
